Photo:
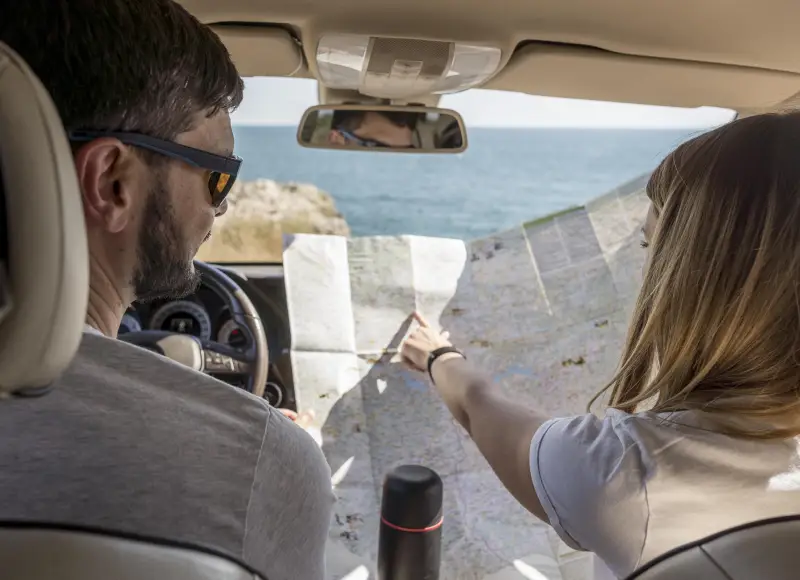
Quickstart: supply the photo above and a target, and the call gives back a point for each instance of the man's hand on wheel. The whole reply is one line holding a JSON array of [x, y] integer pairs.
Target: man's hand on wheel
[[303, 419]]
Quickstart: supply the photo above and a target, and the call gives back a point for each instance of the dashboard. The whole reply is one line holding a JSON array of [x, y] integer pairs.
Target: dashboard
[[203, 314]]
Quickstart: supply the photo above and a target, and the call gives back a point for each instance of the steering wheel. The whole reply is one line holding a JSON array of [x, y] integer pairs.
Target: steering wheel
[[213, 357]]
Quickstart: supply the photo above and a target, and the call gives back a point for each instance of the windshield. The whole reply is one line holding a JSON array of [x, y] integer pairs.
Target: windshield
[[528, 157]]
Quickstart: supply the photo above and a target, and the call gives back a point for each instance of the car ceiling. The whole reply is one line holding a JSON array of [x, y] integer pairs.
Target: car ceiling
[[738, 54]]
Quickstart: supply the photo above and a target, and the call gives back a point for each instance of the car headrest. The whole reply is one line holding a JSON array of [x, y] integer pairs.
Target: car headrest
[[84, 553], [762, 550], [44, 274]]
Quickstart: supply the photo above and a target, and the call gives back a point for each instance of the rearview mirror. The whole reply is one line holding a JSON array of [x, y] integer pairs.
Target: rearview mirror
[[382, 128]]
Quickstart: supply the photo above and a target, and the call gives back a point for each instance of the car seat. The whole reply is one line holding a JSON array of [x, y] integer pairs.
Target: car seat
[[761, 550]]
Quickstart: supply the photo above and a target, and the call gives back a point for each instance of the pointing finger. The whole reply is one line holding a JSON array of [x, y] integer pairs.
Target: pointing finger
[[421, 319]]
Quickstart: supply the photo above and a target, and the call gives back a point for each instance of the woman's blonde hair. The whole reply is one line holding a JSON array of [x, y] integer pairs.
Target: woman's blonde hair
[[716, 326]]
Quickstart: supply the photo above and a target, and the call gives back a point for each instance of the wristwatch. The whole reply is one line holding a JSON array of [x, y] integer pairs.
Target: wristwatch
[[439, 352]]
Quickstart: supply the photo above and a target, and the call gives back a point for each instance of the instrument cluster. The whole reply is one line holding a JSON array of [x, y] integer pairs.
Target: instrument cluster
[[203, 314]]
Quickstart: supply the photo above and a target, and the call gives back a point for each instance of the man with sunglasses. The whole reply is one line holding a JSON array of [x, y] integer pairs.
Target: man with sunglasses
[[130, 441], [373, 128]]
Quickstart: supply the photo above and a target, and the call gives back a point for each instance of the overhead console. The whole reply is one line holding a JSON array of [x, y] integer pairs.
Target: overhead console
[[403, 69]]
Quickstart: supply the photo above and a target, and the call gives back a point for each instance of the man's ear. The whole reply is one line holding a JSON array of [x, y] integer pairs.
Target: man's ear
[[106, 174]]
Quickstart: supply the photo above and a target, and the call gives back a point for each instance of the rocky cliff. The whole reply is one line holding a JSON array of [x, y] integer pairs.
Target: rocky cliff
[[260, 212]]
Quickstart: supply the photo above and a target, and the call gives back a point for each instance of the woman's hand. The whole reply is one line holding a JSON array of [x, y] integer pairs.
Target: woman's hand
[[418, 346], [416, 351]]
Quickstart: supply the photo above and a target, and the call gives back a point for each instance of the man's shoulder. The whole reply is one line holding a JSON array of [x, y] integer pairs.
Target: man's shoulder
[[284, 438], [120, 358], [118, 375], [119, 369]]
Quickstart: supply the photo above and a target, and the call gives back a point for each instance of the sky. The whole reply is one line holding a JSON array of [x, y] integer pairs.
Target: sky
[[282, 101]]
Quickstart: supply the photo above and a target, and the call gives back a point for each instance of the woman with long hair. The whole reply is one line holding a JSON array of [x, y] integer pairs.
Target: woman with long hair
[[713, 352]]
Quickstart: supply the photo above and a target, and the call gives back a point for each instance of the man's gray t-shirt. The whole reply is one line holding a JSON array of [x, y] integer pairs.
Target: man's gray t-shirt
[[131, 441]]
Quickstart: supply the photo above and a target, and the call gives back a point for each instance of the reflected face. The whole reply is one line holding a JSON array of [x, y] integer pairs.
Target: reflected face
[[377, 129]]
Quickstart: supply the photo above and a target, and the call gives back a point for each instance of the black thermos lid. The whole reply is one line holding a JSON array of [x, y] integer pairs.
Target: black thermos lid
[[412, 498]]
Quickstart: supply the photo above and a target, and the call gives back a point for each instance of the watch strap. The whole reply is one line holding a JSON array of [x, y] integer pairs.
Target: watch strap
[[439, 352]]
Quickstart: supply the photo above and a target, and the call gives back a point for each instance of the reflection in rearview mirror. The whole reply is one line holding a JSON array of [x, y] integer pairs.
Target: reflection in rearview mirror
[[383, 128]]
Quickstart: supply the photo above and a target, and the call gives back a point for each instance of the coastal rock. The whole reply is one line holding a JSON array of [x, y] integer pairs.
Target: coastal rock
[[261, 211]]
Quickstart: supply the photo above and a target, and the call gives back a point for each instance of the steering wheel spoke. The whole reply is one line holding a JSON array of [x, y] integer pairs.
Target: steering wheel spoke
[[222, 359]]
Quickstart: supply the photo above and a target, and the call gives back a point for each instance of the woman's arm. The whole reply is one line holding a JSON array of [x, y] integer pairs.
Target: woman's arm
[[502, 429]]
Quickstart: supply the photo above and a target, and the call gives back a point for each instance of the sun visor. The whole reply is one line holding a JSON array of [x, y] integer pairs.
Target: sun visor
[[589, 73], [261, 51]]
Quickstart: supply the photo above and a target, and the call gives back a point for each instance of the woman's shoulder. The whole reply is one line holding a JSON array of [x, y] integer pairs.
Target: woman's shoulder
[[618, 440], [670, 424], [640, 443], [592, 451], [692, 425], [614, 427], [589, 475]]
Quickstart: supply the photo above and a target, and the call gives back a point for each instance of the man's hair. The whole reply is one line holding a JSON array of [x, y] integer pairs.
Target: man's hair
[[144, 66], [347, 120]]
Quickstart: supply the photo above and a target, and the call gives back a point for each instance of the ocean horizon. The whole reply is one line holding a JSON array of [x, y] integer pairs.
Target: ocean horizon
[[506, 177]]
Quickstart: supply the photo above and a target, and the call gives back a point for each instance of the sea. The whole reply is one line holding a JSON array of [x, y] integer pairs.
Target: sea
[[506, 176]]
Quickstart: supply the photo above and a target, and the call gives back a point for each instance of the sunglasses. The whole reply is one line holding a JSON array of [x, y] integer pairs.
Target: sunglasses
[[369, 143], [223, 170], [359, 141]]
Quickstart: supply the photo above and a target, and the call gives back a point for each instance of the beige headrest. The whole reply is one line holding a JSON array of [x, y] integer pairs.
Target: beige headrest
[[48, 258], [34, 552]]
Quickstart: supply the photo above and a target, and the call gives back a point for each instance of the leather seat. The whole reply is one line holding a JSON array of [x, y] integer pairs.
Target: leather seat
[[762, 550], [76, 553], [44, 282], [44, 272]]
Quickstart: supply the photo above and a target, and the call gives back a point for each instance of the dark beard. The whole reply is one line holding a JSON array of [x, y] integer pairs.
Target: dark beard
[[164, 269]]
